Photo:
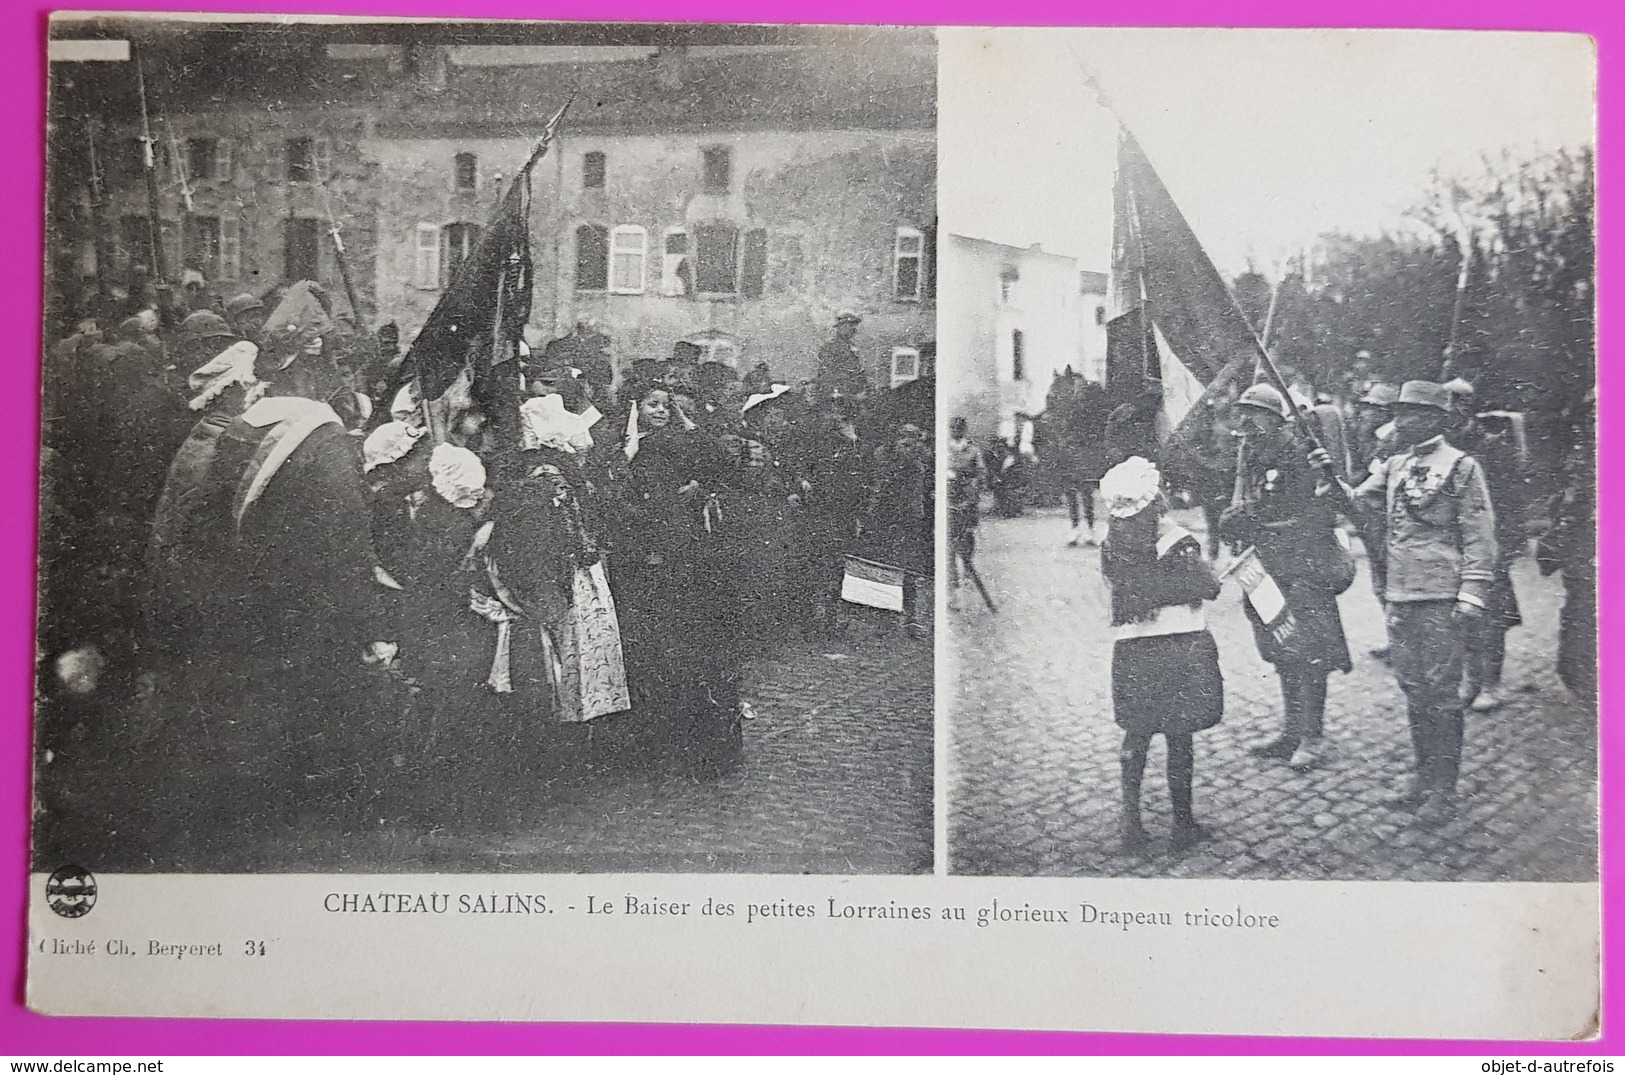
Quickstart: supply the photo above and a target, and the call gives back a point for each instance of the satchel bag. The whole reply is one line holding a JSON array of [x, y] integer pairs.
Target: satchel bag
[[1333, 562]]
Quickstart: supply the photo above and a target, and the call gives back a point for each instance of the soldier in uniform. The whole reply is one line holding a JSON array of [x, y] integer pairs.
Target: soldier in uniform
[[1492, 444], [1281, 511], [840, 369], [1439, 537]]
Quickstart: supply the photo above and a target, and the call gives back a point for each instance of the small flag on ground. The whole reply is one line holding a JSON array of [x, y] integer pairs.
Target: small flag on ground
[[872, 584]]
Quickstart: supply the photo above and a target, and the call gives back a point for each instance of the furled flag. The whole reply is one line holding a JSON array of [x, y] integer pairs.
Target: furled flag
[[1172, 321], [493, 280]]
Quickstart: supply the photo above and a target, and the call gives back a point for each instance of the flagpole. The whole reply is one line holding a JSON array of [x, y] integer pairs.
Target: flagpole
[[1459, 308], [149, 146], [1296, 419], [103, 261]]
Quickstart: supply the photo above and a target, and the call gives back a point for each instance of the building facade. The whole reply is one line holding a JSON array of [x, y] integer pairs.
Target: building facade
[[734, 197], [1012, 318]]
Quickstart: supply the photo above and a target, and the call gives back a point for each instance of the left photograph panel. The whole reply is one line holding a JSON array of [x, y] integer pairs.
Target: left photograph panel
[[486, 447]]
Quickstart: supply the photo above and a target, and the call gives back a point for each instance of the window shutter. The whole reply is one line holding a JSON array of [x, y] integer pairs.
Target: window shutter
[[592, 257], [716, 255], [321, 158], [231, 247], [426, 272], [753, 264], [674, 272], [222, 161]]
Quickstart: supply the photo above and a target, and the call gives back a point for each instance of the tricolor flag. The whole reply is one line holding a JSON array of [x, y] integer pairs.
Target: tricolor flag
[[492, 283], [873, 584], [1171, 318]]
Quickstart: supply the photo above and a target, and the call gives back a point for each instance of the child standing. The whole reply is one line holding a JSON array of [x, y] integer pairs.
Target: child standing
[[1165, 667]]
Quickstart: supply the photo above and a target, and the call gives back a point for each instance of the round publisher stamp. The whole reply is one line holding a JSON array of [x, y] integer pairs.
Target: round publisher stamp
[[71, 891]]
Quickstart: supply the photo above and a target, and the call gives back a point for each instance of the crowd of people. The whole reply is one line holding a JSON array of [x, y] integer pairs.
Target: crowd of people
[[1439, 489], [324, 598]]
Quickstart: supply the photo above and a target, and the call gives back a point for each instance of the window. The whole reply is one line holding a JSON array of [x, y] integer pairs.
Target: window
[[1018, 356], [426, 258], [908, 265], [592, 171], [753, 264], [676, 276], [592, 258], [905, 365], [135, 242], [628, 244], [716, 259], [200, 158], [718, 169], [300, 155], [1007, 285], [301, 250], [465, 174], [307, 160], [202, 239], [457, 243], [231, 248]]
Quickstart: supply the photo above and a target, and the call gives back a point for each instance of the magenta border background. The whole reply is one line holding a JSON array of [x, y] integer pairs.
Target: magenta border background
[[22, 53]]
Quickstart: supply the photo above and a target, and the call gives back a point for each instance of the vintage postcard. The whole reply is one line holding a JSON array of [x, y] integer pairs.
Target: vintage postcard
[[495, 486]]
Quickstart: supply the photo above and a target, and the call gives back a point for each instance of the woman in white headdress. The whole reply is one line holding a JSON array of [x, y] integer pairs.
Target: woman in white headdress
[[557, 650], [1165, 667]]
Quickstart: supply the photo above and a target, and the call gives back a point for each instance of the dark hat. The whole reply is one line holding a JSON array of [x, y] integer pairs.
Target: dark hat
[[848, 317], [1380, 394], [205, 324], [1423, 394], [299, 321], [1266, 397], [241, 304]]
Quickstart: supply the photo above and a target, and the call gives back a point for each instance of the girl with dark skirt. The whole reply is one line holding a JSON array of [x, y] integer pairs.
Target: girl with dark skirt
[[1165, 667]]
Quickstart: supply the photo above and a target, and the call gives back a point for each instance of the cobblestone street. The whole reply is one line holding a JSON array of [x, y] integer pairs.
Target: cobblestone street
[[837, 779], [1034, 784]]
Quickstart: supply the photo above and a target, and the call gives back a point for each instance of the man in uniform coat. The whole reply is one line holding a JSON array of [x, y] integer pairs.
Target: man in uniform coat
[[1439, 537], [840, 369]]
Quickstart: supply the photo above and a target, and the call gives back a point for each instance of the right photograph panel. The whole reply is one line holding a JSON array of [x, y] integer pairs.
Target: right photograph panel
[[1267, 360]]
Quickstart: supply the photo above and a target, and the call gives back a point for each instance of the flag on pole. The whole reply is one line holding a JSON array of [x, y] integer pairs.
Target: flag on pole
[[1171, 318], [493, 281]]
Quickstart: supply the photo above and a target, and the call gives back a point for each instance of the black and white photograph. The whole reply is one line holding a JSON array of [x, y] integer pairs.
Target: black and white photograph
[[1269, 377], [487, 447]]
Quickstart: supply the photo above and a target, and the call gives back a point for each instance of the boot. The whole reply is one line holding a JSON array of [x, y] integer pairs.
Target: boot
[[1185, 835], [1281, 747], [1309, 755], [1439, 810], [1413, 796], [1131, 833]]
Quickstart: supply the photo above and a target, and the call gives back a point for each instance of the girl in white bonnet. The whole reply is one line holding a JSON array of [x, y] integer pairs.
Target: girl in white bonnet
[[1165, 667]]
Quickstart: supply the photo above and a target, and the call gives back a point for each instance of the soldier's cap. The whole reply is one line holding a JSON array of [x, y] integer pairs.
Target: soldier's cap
[[848, 317], [1381, 394], [1423, 394], [1459, 386], [241, 304], [1266, 397], [205, 324], [297, 325]]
